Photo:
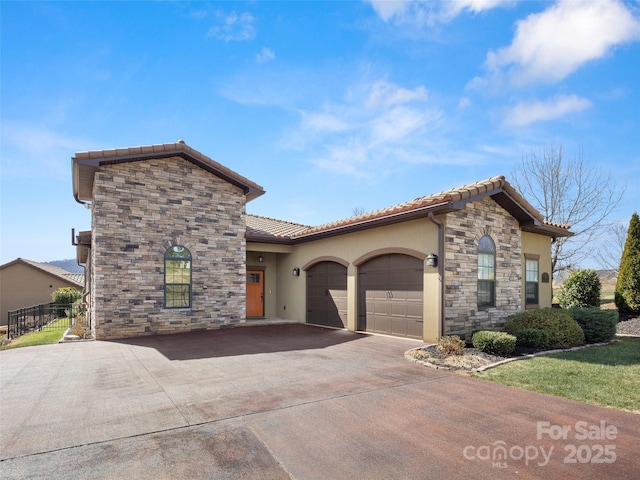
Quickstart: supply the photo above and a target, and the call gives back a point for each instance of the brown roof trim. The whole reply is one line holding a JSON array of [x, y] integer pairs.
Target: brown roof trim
[[357, 224], [455, 199], [85, 164]]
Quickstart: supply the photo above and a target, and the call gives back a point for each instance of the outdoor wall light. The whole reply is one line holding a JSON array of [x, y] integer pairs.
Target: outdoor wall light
[[296, 272], [260, 258], [431, 260]]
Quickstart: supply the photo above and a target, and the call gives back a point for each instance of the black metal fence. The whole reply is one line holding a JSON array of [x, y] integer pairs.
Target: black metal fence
[[49, 316]]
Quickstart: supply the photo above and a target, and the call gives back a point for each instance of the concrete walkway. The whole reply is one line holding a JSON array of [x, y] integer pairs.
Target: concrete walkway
[[287, 401]]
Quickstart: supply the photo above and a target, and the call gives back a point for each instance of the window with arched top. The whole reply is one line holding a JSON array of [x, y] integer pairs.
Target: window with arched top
[[486, 272], [177, 277]]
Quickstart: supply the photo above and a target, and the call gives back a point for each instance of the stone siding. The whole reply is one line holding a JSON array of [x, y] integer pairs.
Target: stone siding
[[142, 208], [462, 232]]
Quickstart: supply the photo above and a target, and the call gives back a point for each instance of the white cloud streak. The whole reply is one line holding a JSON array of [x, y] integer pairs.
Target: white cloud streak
[[265, 55], [428, 12], [526, 113], [33, 150], [233, 27], [551, 45], [377, 126]]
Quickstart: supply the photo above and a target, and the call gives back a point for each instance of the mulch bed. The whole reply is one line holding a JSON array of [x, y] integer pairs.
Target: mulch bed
[[473, 359]]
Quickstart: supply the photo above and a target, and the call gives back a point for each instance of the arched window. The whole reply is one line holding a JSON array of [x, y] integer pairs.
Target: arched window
[[486, 272], [177, 277]]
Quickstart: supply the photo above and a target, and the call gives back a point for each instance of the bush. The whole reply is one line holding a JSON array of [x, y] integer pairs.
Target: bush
[[66, 296], [562, 329], [627, 295], [532, 338], [450, 345], [597, 325], [581, 289], [494, 343]]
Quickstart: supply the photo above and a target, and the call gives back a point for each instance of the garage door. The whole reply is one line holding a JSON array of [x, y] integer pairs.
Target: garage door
[[327, 294], [390, 295]]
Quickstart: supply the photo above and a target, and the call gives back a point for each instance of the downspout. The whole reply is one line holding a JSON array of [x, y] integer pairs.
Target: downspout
[[440, 273]]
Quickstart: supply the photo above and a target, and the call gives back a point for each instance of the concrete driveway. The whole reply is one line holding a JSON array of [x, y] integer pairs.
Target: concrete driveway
[[288, 401]]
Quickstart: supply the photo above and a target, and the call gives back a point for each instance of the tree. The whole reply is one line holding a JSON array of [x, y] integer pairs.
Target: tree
[[627, 295], [568, 192], [358, 211], [610, 250]]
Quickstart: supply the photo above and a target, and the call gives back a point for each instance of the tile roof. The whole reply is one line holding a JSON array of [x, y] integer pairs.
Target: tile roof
[[76, 278], [264, 226], [89, 160], [437, 203]]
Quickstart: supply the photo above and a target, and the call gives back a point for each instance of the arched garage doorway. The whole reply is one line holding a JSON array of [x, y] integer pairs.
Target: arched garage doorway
[[327, 294], [390, 295]]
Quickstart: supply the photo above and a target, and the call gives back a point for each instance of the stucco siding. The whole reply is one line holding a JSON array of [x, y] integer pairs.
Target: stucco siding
[[540, 245], [417, 235], [24, 286]]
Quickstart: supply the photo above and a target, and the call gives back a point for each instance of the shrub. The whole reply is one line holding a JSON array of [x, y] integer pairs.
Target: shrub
[[563, 330], [581, 289], [450, 345], [494, 343], [627, 294], [66, 295], [532, 337], [597, 325]]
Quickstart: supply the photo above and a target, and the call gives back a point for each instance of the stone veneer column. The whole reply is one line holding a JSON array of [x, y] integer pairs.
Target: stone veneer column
[[462, 232], [142, 208]]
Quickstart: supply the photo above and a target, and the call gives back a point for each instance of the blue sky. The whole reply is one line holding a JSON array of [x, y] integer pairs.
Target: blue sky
[[330, 106]]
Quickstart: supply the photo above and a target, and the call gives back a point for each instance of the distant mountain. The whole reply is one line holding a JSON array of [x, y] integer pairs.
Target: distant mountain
[[69, 265]]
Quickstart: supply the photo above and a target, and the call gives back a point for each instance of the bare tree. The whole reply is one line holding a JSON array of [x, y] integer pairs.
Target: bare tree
[[358, 211], [611, 246], [568, 192]]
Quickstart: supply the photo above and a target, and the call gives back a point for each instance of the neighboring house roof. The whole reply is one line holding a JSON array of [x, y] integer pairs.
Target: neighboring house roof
[[450, 200], [61, 273], [85, 164]]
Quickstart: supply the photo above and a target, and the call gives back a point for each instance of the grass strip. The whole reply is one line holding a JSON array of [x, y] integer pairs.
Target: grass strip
[[607, 375], [52, 334]]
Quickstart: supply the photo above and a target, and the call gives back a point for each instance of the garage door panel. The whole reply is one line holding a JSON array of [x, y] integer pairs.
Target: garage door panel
[[390, 295], [327, 294]]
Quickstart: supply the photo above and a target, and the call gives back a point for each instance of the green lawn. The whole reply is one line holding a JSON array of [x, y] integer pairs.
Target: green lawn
[[53, 334], [608, 375]]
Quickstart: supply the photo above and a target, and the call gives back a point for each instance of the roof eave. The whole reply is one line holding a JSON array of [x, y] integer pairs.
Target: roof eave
[[366, 224], [549, 230], [94, 160]]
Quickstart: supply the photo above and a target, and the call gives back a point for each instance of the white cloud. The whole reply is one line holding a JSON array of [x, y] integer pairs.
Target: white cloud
[[384, 94], [526, 113], [427, 12], [233, 27], [323, 122], [265, 55], [33, 150], [464, 103], [549, 46], [377, 126], [386, 10]]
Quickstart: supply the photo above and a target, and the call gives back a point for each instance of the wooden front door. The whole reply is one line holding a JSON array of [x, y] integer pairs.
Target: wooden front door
[[255, 293]]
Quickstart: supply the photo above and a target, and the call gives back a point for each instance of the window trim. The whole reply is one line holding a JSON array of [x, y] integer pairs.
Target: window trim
[[492, 272], [536, 301], [188, 285]]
